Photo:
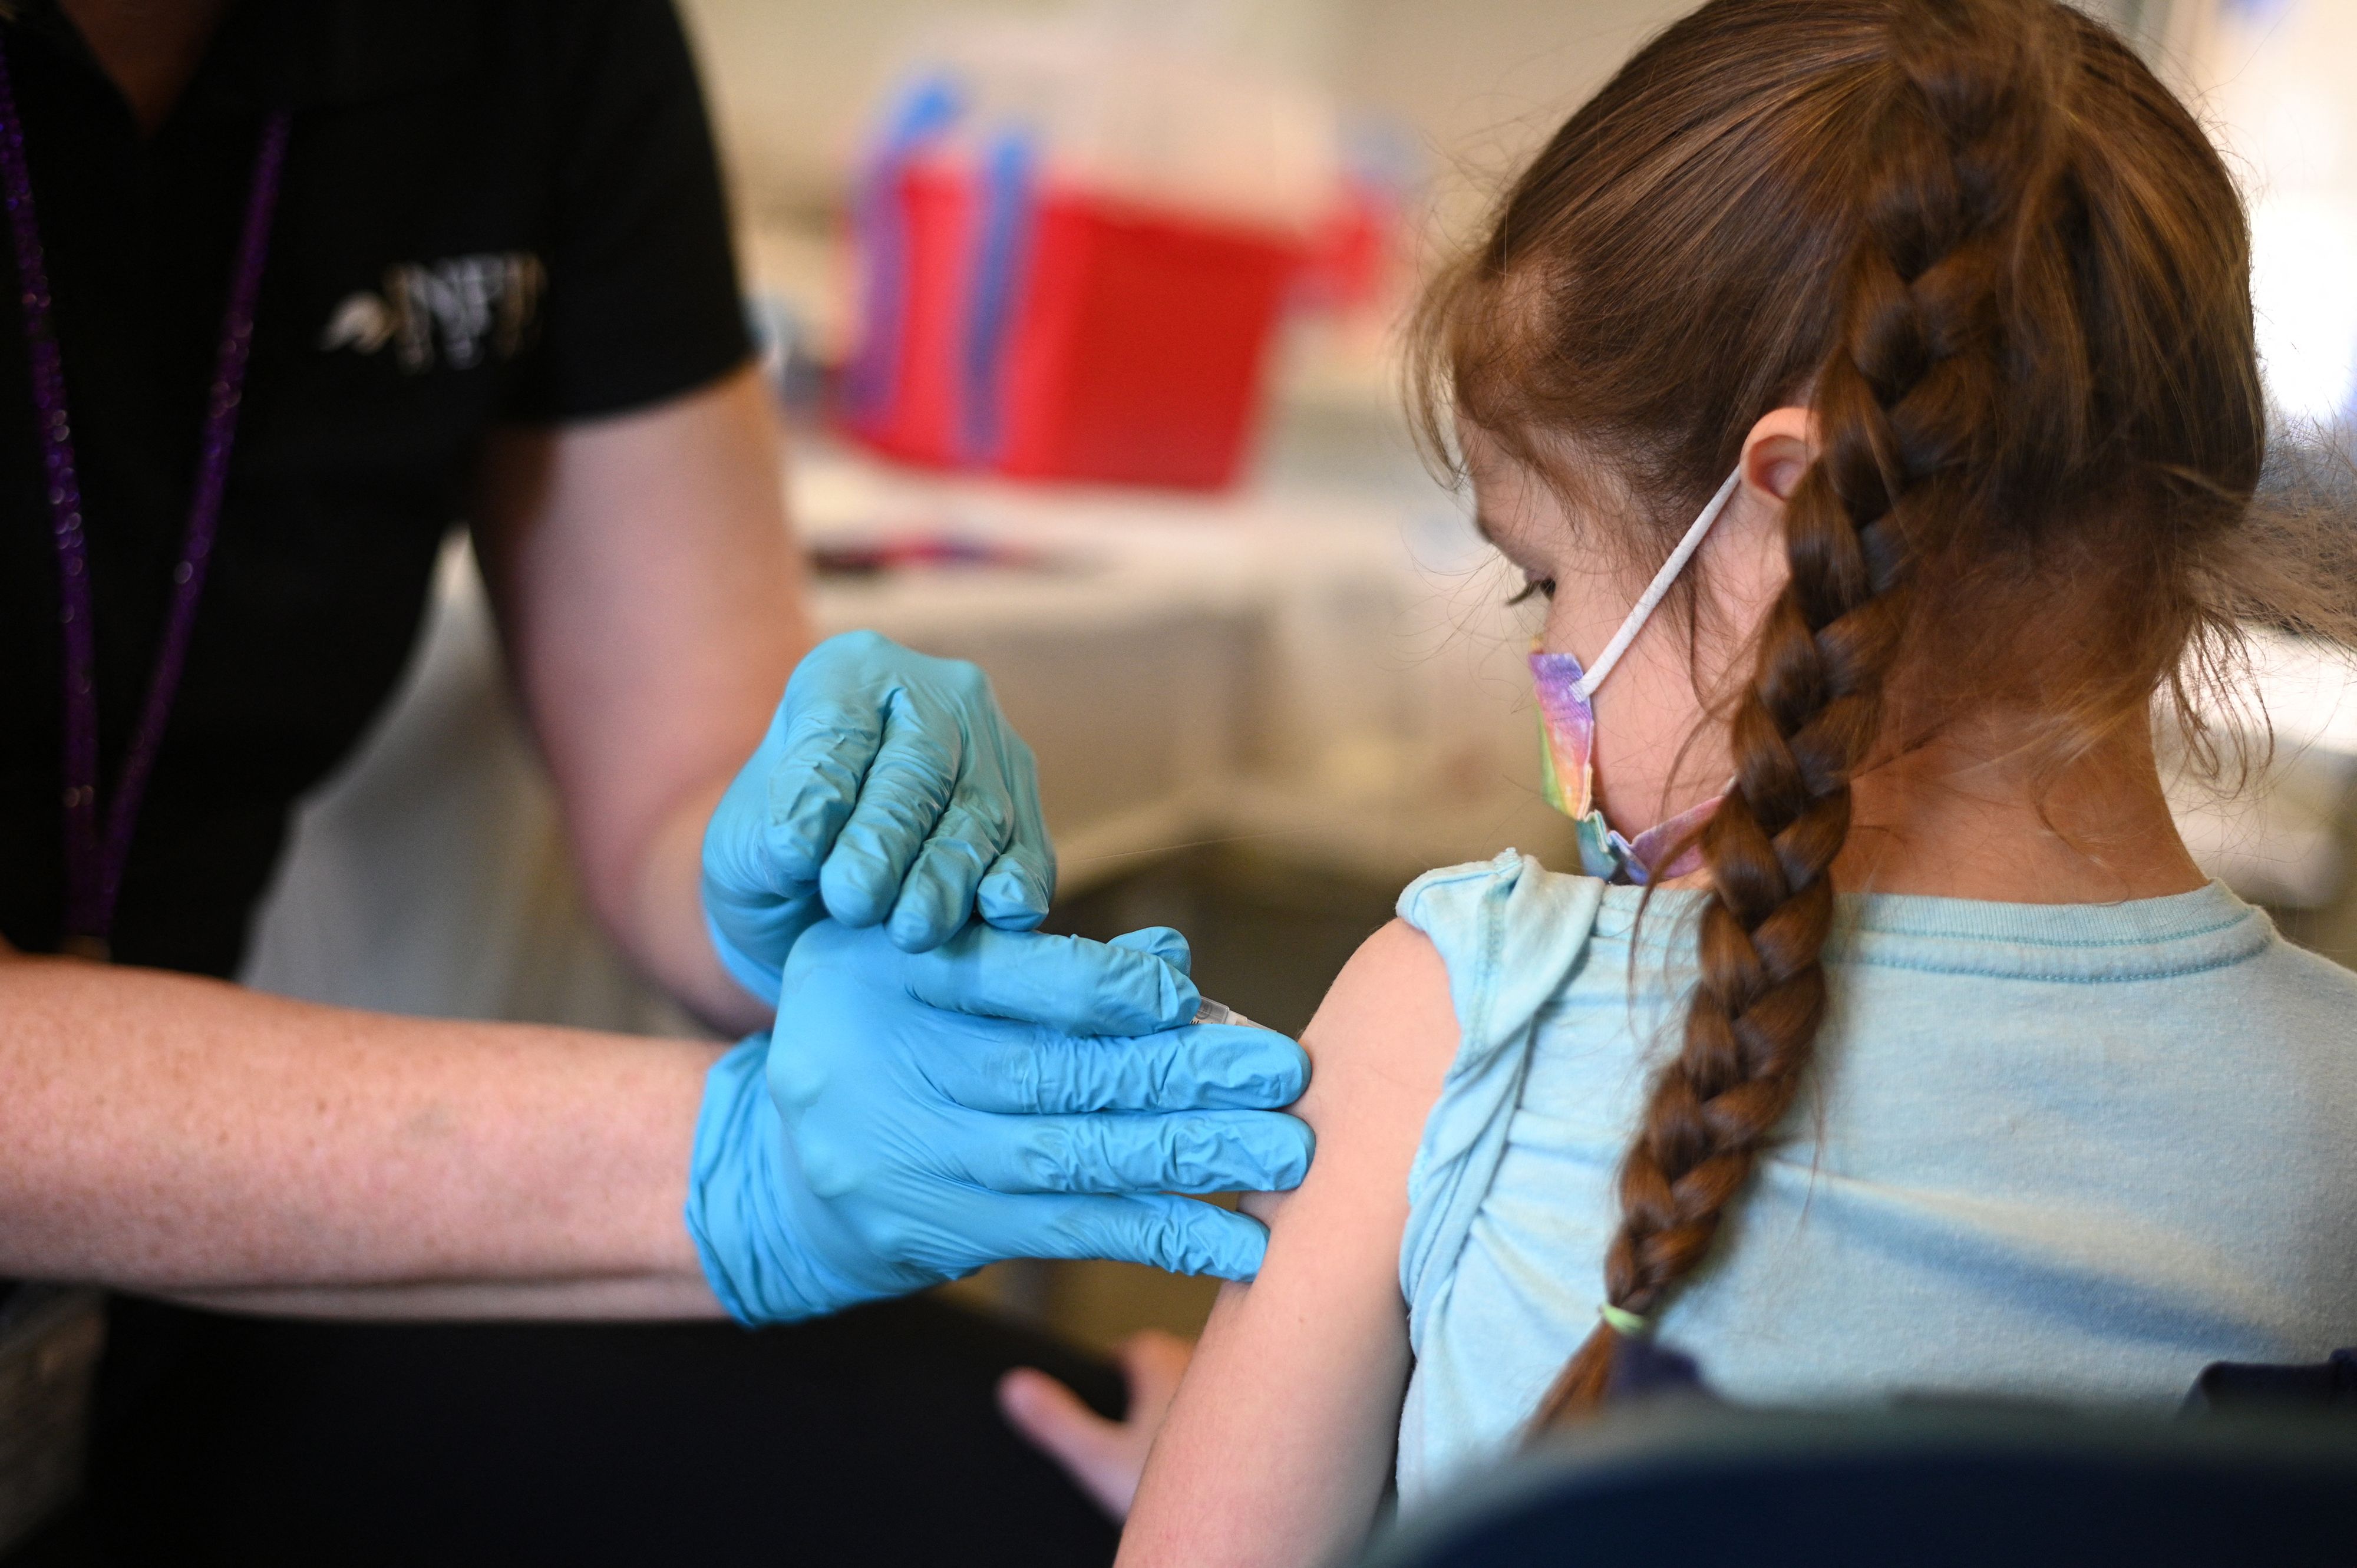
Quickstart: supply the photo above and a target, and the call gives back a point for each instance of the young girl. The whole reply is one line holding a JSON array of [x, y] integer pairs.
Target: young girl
[[1923, 328]]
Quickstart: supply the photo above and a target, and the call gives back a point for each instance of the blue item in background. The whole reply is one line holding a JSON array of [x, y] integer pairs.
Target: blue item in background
[[922, 111], [1007, 191], [889, 789], [915, 1116]]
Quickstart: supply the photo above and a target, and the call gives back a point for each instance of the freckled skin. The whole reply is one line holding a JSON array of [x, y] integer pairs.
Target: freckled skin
[[330, 1148]]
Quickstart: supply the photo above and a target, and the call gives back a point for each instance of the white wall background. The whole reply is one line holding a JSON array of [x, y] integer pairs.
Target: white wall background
[[1479, 81], [2272, 77]]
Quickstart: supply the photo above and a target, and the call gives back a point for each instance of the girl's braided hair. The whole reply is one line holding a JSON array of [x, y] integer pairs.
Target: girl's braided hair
[[2008, 275]]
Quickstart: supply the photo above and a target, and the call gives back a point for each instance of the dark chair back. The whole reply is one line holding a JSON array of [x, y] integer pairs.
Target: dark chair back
[[1683, 1482]]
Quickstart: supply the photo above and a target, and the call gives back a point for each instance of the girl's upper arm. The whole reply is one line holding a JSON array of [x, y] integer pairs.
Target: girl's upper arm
[[1280, 1441]]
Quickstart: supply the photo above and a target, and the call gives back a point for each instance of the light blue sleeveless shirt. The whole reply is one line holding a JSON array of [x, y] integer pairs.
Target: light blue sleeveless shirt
[[2061, 1151]]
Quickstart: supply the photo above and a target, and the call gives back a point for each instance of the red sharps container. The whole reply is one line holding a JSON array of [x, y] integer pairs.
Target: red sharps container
[[1021, 317]]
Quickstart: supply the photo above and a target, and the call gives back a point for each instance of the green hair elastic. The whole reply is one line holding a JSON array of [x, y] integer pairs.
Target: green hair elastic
[[1634, 1325]]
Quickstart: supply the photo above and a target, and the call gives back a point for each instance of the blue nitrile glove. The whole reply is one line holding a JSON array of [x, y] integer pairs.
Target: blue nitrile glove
[[889, 789], [917, 1115]]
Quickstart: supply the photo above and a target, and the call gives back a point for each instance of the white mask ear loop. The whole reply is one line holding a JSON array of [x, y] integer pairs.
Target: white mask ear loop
[[1657, 590]]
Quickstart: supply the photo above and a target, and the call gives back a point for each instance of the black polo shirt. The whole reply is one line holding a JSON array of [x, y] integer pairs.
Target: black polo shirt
[[491, 210]]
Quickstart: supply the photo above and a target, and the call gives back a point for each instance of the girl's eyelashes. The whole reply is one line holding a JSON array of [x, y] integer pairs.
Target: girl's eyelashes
[[1543, 588]]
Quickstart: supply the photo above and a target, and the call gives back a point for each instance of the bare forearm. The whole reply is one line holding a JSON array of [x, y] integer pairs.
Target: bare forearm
[[665, 1296], [663, 924], [1280, 1439], [162, 1133], [651, 598]]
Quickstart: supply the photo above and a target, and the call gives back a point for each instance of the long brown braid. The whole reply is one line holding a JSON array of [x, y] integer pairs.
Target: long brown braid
[[2038, 421], [1903, 406]]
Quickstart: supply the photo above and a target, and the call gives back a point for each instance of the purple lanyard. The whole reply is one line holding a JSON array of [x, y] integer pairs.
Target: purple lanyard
[[95, 849]]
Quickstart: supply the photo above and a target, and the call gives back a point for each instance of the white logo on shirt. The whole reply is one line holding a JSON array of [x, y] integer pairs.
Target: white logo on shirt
[[463, 304]]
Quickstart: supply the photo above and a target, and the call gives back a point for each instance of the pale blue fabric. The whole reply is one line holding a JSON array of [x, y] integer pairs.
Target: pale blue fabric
[[2060, 1150]]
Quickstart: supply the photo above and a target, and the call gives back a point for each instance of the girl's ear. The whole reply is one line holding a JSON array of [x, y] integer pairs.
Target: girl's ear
[[1777, 452]]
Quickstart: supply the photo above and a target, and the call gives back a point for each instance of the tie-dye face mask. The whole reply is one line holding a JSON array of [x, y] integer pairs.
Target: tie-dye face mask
[[1568, 734]]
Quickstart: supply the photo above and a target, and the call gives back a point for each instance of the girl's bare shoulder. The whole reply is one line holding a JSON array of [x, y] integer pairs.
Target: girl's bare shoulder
[[1379, 1047], [1388, 1015]]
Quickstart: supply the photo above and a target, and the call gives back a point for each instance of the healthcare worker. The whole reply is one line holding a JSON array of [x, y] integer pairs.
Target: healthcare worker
[[294, 284]]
